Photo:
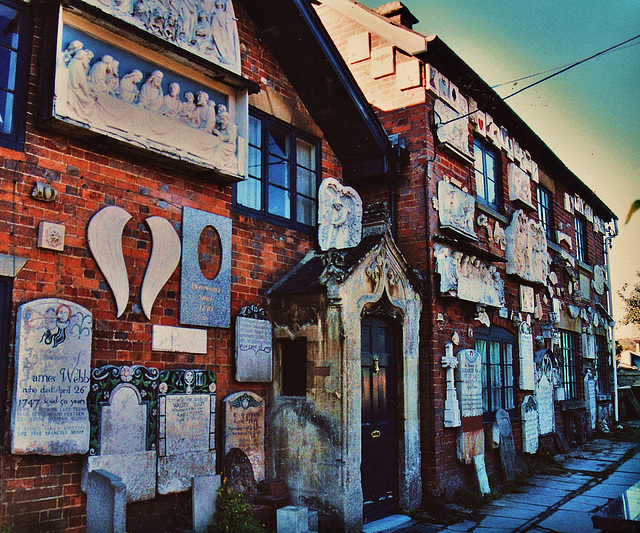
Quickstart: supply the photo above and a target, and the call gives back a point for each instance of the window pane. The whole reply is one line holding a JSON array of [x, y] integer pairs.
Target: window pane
[[255, 132], [278, 171], [255, 162], [306, 211], [9, 22], [306, 183], [482, 193], [279, 202], [477, 154], [6, 111], [248, 193], [8, 65], [278, 143], [494, 349], [491, 179], [509, 400], [306, 155]]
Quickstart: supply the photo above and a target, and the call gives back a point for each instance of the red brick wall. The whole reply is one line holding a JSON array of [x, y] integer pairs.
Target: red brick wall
[[40, 493]]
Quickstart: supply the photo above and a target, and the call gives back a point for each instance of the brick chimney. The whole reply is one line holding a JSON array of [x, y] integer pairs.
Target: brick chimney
[[397, 13]]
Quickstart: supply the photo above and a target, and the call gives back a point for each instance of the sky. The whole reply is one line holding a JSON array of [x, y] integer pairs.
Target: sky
[[589, 116]]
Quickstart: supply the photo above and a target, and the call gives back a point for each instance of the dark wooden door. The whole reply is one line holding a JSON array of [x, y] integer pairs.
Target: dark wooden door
[[379, 419]]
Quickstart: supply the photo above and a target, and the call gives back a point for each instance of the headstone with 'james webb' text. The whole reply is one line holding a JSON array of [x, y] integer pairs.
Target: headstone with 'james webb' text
[[52, 372]]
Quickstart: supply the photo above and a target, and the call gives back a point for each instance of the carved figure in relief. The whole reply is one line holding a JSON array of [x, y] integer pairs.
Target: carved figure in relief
[[224, 155], [223, 30], [188, 109], [128, 88], [97, 76], [151, 95], [70, 51], [112, 79], [172, 104], [189, 15], [340, 215], [80, 97], [205, 115], [56, 322]]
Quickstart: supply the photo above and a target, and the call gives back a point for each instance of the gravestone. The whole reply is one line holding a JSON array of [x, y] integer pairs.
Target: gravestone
[[590, 397], [469, 382], [123, 409], [527, 368], [529, 417], [254, 342], [244, 428], [481, 474], [546, 412], [469, 386], [106, 503], [508, 457], [237, 472], [186, 432], [203, 301], [451, 404], [203, 498], [52, 371]]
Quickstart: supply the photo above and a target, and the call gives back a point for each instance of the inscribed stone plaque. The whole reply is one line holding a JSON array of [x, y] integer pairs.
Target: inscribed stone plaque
[[546, 414], [254, 356], [469, 382], [527, 368], [382, 62], [529, 417], [507, 445], [481, 474], [244, 428], [123, 410], [359, 47], [186, 433], [52, 372], [408, 74], [203, 301]]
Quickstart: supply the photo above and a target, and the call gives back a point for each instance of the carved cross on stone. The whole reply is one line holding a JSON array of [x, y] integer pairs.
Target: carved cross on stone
[[451, 404]]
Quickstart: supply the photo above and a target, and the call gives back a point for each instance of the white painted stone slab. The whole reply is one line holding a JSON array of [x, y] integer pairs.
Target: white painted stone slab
[[529, 417], [527, 299], [527, 367], [254, 350], [456, 209], [469, 382], [244, 428], [176, 339], [519, 185], [175, 473], [51, 236], [382, 62], [590, 397], [359, 47], [123, 425], [137, 470], [481, 474], [52, 373], [204, 490], [546, 413], [408, 74]]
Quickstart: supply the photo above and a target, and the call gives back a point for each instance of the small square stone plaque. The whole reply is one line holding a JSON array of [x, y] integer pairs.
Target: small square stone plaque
[[359, 47], [254, 353], [51, 236], [408, 74], [382, 62]]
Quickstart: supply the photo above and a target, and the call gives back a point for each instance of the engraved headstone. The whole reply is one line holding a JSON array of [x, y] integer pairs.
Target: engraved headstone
[[52, 371], [546, 413], [203, 301], [244, 428], [481, 474], [254, 342], [123, 409], [469, 382], [451, 404], [507, 446], [186, 433], [340, 215], [237, 471], [525, 345], [529, 417]]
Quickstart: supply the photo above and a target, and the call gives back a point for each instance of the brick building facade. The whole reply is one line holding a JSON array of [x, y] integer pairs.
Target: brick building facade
[[70, 149]]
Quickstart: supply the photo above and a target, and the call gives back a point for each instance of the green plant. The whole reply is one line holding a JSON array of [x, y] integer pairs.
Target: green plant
[[233, 513], [544, 463], [472, 499]]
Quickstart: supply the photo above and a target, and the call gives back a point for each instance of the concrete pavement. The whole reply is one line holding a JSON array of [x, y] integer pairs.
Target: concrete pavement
[[597, 473]]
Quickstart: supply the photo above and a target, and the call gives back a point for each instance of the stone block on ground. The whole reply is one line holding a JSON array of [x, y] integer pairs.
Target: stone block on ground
[[203, 501], [106, 503], [292, 519]]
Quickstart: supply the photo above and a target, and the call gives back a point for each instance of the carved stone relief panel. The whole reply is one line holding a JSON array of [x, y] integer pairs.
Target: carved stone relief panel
[[468, 278], [456, 209], [526, 250], [452, 129], [519, 185], [340, 215], [599, 282]]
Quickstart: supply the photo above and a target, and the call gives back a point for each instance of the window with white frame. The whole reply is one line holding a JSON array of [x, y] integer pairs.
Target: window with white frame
[[487, 172], [283, 173], [495, 345], [545, 212], [569, 352], [581, 239]]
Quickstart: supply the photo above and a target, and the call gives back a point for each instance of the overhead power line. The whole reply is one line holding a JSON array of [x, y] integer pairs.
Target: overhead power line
[[563, 69]]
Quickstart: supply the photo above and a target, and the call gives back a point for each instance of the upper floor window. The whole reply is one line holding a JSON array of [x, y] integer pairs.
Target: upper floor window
[[284, 173], [581, 240], [496, 348], [603, 368], [545, 211], [568, 349], [14, 57], [487, 165]]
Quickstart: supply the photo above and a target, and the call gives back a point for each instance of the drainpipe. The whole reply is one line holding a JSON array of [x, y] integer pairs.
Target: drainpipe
[[611, 233]]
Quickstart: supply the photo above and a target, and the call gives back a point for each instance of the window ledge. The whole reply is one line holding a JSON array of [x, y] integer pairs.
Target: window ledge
[[491, 212], [584, 266], [553, 246]]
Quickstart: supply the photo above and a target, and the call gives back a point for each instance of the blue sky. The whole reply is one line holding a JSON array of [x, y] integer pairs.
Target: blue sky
[[590, 115]]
